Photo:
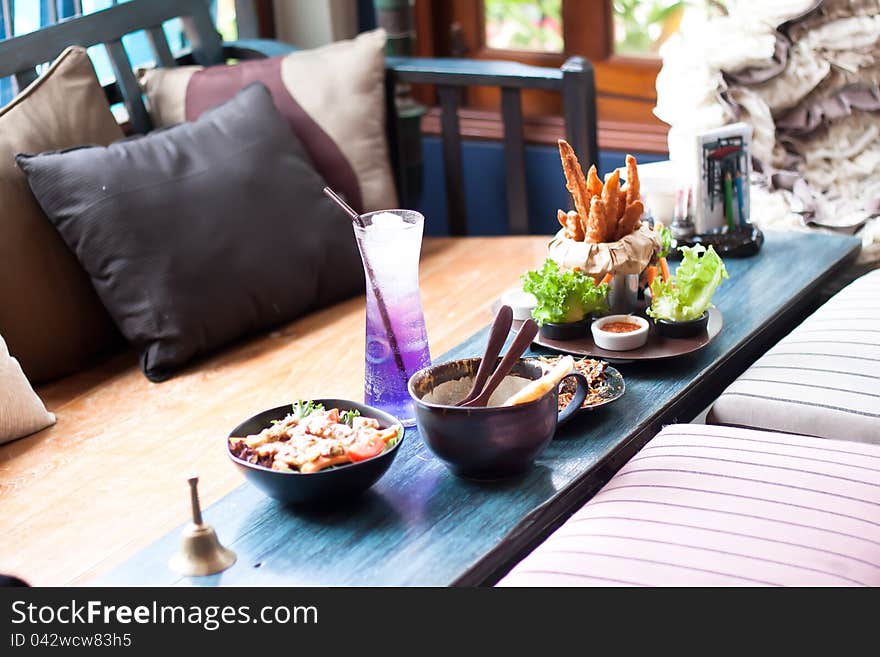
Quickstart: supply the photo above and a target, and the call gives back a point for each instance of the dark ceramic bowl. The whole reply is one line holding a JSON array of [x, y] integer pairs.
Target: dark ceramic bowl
[[566, 331], [488, 443], [687, 329], [332, 484]]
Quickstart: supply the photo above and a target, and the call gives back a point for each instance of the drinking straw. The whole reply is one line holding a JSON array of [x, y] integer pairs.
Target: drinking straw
[[377, 293]]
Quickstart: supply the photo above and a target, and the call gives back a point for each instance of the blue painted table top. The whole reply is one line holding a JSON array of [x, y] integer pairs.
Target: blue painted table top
[[420, 525]]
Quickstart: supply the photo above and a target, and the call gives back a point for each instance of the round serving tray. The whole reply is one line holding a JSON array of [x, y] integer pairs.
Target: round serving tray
[[657, 347]]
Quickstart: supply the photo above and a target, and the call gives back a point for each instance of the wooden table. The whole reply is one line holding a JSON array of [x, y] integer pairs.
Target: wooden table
[[420, 525], [109, 477]]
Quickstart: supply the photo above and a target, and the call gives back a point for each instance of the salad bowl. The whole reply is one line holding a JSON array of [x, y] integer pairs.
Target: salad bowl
[[328, 485], [564, 300], [681, 304], [565, 330], [684, 329]]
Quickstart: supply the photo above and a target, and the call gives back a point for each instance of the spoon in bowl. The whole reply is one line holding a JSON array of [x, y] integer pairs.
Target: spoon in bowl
[[497, 336], [521, 342]]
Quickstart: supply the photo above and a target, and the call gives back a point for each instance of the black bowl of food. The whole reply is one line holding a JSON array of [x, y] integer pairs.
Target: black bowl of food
[[687, 329], [498, 440], [565, 331], [316, 451]]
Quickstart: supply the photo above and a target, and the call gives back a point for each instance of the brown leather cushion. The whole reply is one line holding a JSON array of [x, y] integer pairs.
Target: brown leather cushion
[[50, 316]]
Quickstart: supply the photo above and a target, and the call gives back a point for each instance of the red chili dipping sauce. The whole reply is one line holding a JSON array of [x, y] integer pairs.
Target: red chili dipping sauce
[[620, 327]]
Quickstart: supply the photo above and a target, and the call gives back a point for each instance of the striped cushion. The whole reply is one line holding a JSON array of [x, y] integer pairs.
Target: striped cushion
[[720, 506], [823, 379], [333, 98]]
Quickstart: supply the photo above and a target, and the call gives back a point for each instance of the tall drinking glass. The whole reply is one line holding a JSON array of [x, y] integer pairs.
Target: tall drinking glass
[[390, 243]]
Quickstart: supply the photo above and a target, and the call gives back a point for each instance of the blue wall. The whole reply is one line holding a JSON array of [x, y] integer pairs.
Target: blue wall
[[485, 186]]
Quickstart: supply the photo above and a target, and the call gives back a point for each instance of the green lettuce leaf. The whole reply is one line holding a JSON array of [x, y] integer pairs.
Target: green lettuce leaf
[[689, 294], [347, 417], [391, 443], [563, 296], [303, 409], [665, 240]]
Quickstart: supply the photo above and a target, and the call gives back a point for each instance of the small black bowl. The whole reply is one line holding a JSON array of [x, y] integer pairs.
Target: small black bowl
[[494, 442], [686, 329], [566, 331], [332, 484]]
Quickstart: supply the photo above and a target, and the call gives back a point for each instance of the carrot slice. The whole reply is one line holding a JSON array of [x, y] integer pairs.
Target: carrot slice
[[388, 434], [607, 278], [664, 269], [650, 274]]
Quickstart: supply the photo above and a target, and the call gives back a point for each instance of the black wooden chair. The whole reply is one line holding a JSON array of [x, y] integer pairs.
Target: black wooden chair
[[20, 56]]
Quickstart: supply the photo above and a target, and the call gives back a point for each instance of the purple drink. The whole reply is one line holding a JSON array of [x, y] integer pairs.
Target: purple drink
[[390, 245]]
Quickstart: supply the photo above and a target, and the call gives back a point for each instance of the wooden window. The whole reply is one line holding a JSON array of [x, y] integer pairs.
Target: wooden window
[[252, 18], [620, 38]]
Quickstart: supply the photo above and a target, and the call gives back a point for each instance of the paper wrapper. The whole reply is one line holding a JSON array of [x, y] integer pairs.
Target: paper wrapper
[[627, 256]]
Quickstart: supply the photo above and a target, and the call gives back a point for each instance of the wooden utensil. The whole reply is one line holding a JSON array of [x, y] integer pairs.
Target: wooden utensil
[[521, 342], [497, 336]]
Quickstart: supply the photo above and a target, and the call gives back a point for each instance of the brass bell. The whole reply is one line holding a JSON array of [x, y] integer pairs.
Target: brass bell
[[200, 550]]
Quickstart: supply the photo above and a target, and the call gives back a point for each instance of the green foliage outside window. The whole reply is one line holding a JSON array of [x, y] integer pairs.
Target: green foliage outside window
[[640, 26], [524, 25]]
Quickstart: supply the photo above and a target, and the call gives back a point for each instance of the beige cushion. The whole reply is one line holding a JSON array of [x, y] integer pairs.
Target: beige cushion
[[706, 505], [333, 97], [21, 411], [49, 313], [823, 379]]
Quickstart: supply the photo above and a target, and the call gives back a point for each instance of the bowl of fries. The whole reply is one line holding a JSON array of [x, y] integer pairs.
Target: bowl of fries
[[604, 235]]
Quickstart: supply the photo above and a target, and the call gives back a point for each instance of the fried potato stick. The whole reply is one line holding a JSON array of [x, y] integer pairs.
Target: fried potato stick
[[572, 224], [621, 203], [596, 221], [562, 218], [630, 220], [594, 183], [579, 224], [574, 178], [633, 188], [610, 197]]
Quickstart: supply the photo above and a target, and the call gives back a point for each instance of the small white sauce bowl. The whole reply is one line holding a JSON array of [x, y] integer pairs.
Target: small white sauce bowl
[[522, 303], [620, 341]]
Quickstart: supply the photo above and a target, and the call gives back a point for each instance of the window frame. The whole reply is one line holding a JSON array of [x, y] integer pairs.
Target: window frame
[[625, 85]]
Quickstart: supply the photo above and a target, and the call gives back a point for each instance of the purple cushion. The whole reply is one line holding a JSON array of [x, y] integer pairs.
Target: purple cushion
[[723, 506]]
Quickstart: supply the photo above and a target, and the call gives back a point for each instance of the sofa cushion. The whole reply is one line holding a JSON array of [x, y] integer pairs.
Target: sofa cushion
[[333, 98], [719, 506], [21, 411], [49, 313], [823, 379], [201, 233]]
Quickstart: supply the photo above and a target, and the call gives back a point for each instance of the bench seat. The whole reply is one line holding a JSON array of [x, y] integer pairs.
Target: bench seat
[[723, 506], [823, 379]]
